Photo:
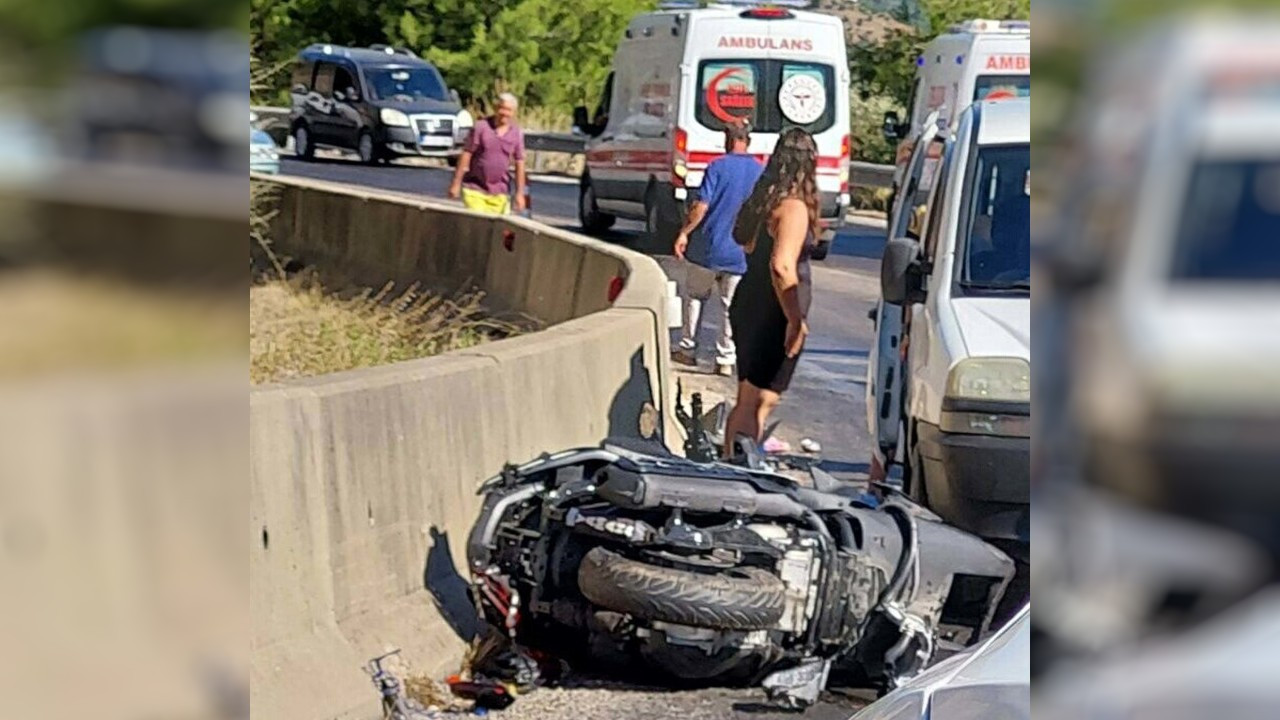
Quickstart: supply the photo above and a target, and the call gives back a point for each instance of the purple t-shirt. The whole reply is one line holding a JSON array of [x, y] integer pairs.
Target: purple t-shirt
[[491, 157]]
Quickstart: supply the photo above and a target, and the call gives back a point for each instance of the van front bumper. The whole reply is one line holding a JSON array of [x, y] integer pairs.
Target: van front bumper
[[406, 141], [978, 482]]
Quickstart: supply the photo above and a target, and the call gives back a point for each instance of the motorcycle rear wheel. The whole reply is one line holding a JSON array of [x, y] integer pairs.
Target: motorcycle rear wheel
[[740, 599]]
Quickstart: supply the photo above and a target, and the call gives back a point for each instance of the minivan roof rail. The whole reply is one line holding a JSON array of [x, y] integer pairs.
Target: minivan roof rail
[[393, 50], [696, 4]]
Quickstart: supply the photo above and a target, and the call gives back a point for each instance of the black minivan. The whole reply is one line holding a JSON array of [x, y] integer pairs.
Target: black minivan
[[379, 101]]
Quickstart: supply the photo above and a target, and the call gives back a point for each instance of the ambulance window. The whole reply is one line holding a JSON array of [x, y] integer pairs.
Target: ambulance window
[[727, 90], [772, 94], [1001, 87], [806, 96]]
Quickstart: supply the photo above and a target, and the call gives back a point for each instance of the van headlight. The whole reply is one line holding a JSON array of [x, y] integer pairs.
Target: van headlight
[[462, 125], [988, 396], [991, 379], [393, 118]]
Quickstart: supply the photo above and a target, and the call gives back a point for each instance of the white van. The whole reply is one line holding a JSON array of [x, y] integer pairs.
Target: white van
[[965, 353], [680, 74], [975, 60]]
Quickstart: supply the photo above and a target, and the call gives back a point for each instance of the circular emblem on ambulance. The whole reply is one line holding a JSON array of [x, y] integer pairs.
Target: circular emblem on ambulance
[[802, 99]]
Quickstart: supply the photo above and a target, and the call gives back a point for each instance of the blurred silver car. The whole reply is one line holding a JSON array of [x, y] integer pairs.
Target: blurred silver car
[[264, 155], [988, 682]]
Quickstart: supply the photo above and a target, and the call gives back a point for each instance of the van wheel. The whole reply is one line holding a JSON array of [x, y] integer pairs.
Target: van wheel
[[589, 216], [660, 232], [303, 148], [820, 250], [366, 149]]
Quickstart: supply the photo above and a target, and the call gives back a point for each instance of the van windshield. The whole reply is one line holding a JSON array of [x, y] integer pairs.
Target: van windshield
[[1001, 87], [407, 84], [772, 94], [997, 221], [1229, 228]]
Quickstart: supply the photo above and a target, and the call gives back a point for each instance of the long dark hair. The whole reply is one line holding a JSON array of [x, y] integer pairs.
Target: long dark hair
[[792, 172]]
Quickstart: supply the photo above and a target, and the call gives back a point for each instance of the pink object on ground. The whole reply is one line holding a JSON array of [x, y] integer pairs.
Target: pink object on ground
[[773, 445]]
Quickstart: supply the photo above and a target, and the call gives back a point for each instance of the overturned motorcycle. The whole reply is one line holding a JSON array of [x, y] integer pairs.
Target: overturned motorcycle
[[720, 573]]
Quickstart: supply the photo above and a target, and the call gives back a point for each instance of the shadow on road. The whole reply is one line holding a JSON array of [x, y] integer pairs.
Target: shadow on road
[[860, 243], [844, 467], [837, 353], [450, 590], [355, 163]]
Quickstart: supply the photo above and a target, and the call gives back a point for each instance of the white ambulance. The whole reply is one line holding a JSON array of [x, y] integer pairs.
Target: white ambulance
[[975, 60], [680, 74]]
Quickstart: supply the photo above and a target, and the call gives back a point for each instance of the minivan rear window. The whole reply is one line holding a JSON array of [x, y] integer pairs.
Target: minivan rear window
[[772, 94]]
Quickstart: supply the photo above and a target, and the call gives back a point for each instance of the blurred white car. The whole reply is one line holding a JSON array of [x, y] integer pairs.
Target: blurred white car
[[1177, 349], [264, 155], [988, 682]]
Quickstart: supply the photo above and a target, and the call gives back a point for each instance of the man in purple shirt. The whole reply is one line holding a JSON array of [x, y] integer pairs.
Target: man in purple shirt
[[483, 177]]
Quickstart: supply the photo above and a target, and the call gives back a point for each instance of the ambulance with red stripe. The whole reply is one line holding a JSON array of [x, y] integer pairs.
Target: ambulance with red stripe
[[975, 60], [680, 74]]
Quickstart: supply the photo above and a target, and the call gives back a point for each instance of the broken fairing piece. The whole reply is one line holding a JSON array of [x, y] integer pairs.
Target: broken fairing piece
[[798, 686]]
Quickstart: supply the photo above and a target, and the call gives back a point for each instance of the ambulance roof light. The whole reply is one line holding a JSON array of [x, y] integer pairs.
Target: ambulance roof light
[[983, 25], [762, 4]]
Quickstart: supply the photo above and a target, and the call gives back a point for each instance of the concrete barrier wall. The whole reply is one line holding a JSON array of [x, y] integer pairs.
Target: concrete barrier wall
[[363, 482]]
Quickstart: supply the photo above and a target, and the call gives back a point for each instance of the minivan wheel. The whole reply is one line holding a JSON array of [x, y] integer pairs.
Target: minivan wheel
[[365, 148], [302, 146], [589, 216], [660, 234]]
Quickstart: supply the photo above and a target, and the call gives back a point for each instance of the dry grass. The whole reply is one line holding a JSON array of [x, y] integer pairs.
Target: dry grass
[[54, 321], [298, 328]]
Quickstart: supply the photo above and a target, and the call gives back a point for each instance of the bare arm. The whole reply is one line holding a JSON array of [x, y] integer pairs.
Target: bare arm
[[464, 164], [790, 233], [696, 215], [520, 178]]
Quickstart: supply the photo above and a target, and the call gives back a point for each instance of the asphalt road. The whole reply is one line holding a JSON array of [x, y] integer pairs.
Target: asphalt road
[[825, 401]]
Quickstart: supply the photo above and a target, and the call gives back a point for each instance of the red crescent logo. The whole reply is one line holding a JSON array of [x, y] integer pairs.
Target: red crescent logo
[[713, 91]]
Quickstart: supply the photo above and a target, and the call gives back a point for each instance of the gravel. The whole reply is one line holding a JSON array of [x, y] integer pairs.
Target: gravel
[[613, 701]]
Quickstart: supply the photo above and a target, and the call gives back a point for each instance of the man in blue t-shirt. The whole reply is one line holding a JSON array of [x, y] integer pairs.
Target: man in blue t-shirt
[[714, 259]]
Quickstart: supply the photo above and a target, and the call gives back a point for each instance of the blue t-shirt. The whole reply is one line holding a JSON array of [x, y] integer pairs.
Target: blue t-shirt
[[725, 187]]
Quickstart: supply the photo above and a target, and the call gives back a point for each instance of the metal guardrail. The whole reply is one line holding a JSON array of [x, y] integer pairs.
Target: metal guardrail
[[861, 174]]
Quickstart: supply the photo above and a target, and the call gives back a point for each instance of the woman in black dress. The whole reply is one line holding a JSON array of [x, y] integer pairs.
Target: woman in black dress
[[777, 226]]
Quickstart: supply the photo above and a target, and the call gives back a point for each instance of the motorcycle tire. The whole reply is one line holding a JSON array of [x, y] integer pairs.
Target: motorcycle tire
[[739, 599]]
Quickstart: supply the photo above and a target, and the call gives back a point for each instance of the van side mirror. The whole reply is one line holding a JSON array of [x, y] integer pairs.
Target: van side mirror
[[1073, 269], [892, 128], [454, 96], [900, 272], [581, 121]]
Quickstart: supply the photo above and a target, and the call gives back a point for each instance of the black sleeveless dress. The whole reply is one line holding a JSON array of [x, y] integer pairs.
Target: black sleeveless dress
[[759, 324]]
